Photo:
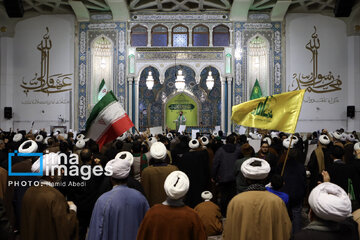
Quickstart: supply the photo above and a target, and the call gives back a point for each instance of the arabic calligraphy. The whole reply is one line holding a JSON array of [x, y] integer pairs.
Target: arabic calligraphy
[[331, 100], [47, 102], [263, 109], [315, 82], [43, 81]]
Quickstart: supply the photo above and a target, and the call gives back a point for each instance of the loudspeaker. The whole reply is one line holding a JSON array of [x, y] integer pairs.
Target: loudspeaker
[[14, 8], [8, 112], [350, 111], [343, 8]]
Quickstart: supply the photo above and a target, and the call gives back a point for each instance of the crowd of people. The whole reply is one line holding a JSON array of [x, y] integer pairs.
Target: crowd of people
[[170, 186]]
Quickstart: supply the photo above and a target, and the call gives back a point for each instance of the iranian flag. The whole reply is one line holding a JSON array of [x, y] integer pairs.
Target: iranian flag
[[107, 120], [102, 90]]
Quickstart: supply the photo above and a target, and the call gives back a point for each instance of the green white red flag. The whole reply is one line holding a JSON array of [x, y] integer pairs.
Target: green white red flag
[[107, 120]]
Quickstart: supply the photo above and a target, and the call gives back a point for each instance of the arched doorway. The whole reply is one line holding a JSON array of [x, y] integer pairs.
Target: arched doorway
[[181, 102]]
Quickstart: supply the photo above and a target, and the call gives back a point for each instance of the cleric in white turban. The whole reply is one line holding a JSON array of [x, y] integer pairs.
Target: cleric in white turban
[[121, 165], [193, 144], [172, 217], [158, 151], [255, 169], [118, 213], [176, 185], [206, 195], [261, 214], [29, 146], [45, 213], [209, 214], [329, 207]]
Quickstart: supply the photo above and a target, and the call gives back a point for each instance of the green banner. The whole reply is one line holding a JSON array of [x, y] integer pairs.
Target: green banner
[[184, 103]]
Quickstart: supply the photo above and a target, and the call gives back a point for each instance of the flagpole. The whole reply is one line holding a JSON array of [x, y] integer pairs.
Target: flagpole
[[287, 154], [137, 130]]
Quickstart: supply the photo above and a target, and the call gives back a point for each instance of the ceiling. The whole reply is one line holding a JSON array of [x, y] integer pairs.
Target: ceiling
[[66, 6]]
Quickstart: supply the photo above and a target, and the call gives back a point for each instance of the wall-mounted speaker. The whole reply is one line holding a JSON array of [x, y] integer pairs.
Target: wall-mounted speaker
[[14, 8], [8, 112], [350, 111]]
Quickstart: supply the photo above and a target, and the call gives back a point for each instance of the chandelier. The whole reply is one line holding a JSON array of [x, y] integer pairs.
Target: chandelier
[[180, 80], [149, 81], [210, 82]]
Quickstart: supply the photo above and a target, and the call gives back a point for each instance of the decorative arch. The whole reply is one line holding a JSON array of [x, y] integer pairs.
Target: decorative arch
[[170, 115], [258, 54], [221, 35], [159, 35], [200, 35], [102, 62], [139, 36], [180, 36]]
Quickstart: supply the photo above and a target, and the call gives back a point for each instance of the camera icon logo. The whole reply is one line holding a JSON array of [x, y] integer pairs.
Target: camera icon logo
[[15, 153]]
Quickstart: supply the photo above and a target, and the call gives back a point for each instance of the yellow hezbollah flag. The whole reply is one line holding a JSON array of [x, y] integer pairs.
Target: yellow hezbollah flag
[[277, 112]]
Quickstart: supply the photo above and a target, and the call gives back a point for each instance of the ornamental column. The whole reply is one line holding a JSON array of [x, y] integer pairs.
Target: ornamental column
[[229, 81], [130, 80], [222, 104], [137, 103]]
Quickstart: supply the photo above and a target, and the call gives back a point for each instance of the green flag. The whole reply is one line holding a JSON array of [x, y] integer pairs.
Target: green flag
[[102, 90], [256, 91]]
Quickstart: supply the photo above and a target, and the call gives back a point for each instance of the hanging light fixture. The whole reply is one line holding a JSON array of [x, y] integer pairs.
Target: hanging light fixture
[[150, 81], [210, 82], [180, 80]]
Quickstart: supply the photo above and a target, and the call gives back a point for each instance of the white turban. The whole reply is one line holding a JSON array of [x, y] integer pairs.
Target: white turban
[[46, 140], [274, 134], [158, 150], [254, 136], [215, 134], [255, 172], [205, 140], [330, 202], [28, 146], [125, 156], [357, 146], [50, 161], [343, 137], [120, 167], [286, 143], [324, 140], [268, 140], [80, 144], [350, 137], [17, 137], [176, 185], [169, 136], [337, 135], [39, 138], [206, 195], [295, 139], [151, 141], [80, 136], [122, 137], [194, 144]]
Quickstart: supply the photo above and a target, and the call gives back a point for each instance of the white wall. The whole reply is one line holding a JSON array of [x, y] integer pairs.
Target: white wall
[[39, 107], [319, 110], [6, 83]]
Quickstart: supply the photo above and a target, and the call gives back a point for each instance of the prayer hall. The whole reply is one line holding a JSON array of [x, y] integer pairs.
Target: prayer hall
[[179, 119]]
